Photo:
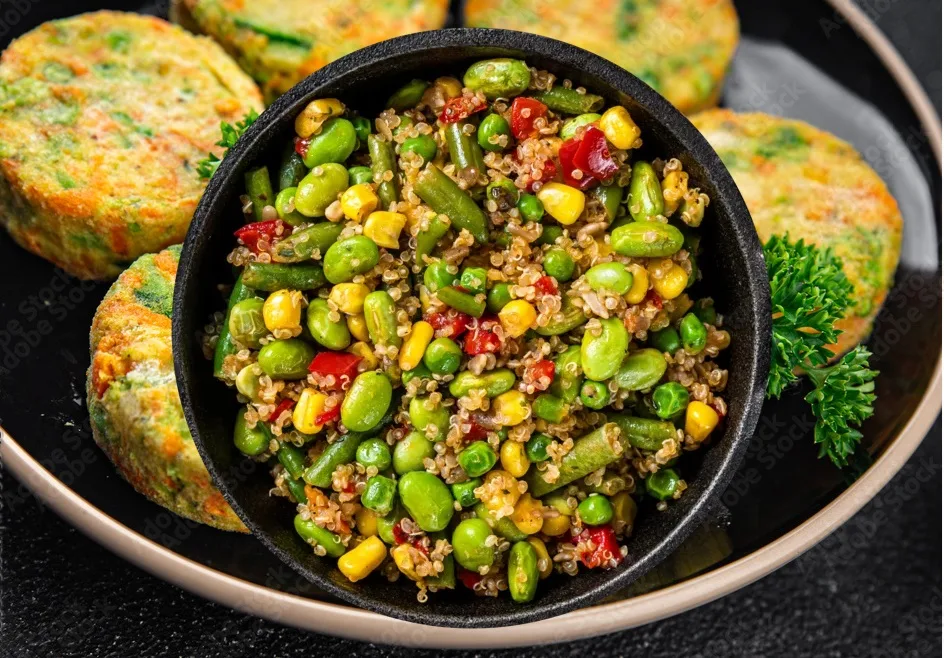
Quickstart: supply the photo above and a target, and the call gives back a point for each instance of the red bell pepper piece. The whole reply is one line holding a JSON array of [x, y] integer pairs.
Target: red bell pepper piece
[[593, 155], [539, 371], [566, 155], [606, 548], [468, 578], [476, 431], [329, 415], [250, 234], [399, 535], [480, 340], [452, 321], [547, 174], [653, 296], [546, 285], [337, 364], [524, 112], [460, 108], [281, 407], [301, 146]]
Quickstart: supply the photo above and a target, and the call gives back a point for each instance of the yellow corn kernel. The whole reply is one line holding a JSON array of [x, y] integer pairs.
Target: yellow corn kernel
[[672, 282], [357, 325], [364, 350], [514, 459], [502, 490], [562, 202], [624, 512], [528, 515], [511, 408], [425, 300], [283, 310], [358, 201], [349, 297], [620, 129], [404, 561], [555, 526], [358, 562], [517, 317], [415, 345], [366, 522], [384, 228], [637, 292], [603, 249], [674, 188], [450, 87], [310, 405], [700, 420], [545, 564], [316, 113]]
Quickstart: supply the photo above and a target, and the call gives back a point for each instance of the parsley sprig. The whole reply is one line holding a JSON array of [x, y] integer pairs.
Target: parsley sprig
[[230, 135]]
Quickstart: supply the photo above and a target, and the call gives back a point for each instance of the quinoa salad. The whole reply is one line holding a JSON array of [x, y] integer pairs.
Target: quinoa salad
[[464, 334]]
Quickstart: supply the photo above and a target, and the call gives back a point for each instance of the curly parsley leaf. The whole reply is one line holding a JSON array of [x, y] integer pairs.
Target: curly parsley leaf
[[230, 135]]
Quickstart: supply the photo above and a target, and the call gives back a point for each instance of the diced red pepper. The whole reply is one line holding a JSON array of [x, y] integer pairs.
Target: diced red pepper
[[606, 548], [452, 322], [460, 108], [546, 285], [593, 155], [250, 234], [328, 415], [524, 112], [566, 155], [399, 534], [421, 546], [653, 296], [281, 407], [476, 431], [548, 172], [468, 578], [301, 146], [539, 372], [340, 365], [481, 339]]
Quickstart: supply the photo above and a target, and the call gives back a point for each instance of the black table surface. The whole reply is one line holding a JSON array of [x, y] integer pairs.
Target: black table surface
[[871, 589]]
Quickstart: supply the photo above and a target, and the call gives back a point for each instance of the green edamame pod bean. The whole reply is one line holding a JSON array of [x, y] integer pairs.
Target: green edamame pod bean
[[333, 335], [380, 315], [374, 452], [646, 240], [461, 301], [504, 193], [477, 459], [349, 257], [366, 402], [595, 510], [568, 318], [610, 276], [383, 160], [498, 297], [494, 382], [569, 129], [427, 499], [662, 484], [645, 193], [410, 451], [491, 131], [360, 174], [591, 452], [424, 413], [379, 494], [567, 374], [302, 245], [669, 399], [286, 359], [422, 145], [385, 524], [601, 355], [666, 340], [437, 276], [536, 448], [292, 459], [314, 534], [503, 527], [259, 189], [469, 544], [408, 96], [442, 356], [693, 333], [550, 408], [641, 370], [610, 196], [569, 101], [246, 324], [224, 344], [285, 207], [464, 152], [320, 188], [428, 238], [532, 210], [250, 441], [594, 395], [643, 433], [464, 492], [247, 381], [335, 143], [559, 264], [498, 78], [523, 573], [292, 169], [445, 197], [271, 277], [342, 451], [297, 489], [362, 128]]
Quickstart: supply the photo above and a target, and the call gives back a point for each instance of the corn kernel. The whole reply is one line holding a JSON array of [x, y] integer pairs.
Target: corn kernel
[[674, 187], [562, 202], [384, 228], [603, 248], [511, 408], [700, 420], [450, 87], [637, 292], [283, 310], [555, 526], [415, 345], [349, 297], [358, 201], [620, 129], [310, 405], [358, 562], [545, 564], [309, 121], [364, 350], [624, 512], [503, 490], [672, 282], [366, 522], [357, 325], [404, 561], [517, 317], [514, 459], [527, 515]]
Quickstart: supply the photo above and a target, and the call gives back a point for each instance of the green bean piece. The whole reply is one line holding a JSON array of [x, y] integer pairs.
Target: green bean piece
[[559, 264], [297, 489], [408, 96], [569, 101], [477, 459], [610, 196], [536, 448], [645, 193], [549, 234], [523, 573], [693, 332], [422, 145], [461, 301], [491, 131], [362, 128], [286, 359], [379, 494], [474, 279], [464, 492], [259, 189], [666, 340], [428, 238], [601, 355], [347, 258], [314, 534], [374, 452], [595, 510], [594, 395], [410, 452], [610, 276], [246, 323], [550, 408], [320, 188], [278, 276], [302, 245], [292, 459], [335, 143], [438, 276], [360, 174], [285, 207], [532, 210], [498, 78], [643, 433], [445, 197], [342, 451], [442, 356], [383, 159], [250, 441], [224, 344], [591, 452], [669, 399], [445, 579], [641, 370], [646, 240], [705, 310], [469, 544], [366, 402], [504, 193], [464, 152], [493, 382], [569, 129], [567, 375], [568, 318], [428, 500], [385, 524], [662, 484], [380, 316], [423, 414], [292, 170], [333, 335], [503, 527], [498, 297]]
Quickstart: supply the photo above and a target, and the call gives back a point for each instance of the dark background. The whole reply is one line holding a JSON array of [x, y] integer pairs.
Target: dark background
[[871, 589]]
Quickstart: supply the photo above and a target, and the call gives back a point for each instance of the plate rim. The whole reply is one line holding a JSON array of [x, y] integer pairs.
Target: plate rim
[[357, 624]]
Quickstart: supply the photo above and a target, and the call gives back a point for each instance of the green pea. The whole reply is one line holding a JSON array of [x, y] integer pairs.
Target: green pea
[[594, 395], [247, 381], [379, 494], [669, 399], [523, 573], [645, 192], [569, 129], [595, 510], [286, 359], [423, 145], [550, 408], [477, 459], [559, 264], [385, 524], [334, 143], [474, 279], [490, 131], [536, 447], [427, 499], [601, 356], [498, 78], [646, 240], [498, 297], [610, 196], [469, 547], [285, 207], [366, 401], [374, 452], [494, 382], [408, 96], [567, 374], [362, 128], [705, 310], [666, 340], [250, 441], [422, 416], [662, 484], [333, 335], [610, 276], [442, 356], [314, 534], [380, 316], [360, 174], [246, 324], [320, 188], [349, 257], [532, 210], [420, 372], [437, 275], [504, 193], [641, 370], [693, 333], [464, 492]]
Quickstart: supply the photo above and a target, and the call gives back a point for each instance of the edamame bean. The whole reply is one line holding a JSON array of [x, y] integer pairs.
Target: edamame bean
[[641, 370], [523, 573], [379, 494], [247, 381], [442, 356], [424, 413], [669, 399], [302, 245], [567, 374], [320, 188], [408, 96], [568, 318], [645, 192], [532, 210], [350, 257], [503, 527], [504, 193], [410, 451], [601, 355], [422, 145], [437, 275], [595, 510], [666, 340], [662, 484], [494, 383], [285, 207], [693, 333], [610, 196], [286, 359], [610, 276], [334, 143], [314, 534], [559, 264], [246, 324], [360, 174], [498, 78], [490, 132], [594, 395], [477, 459], [569, 129], [380, 315], [474, 279], [536, 448], [427, 499], [469, 547], [366, 401], [646, 240], [498, 296], [550, 408], [374, 452], [333, 335], [385, 524], [464, 492], [250, 441]]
